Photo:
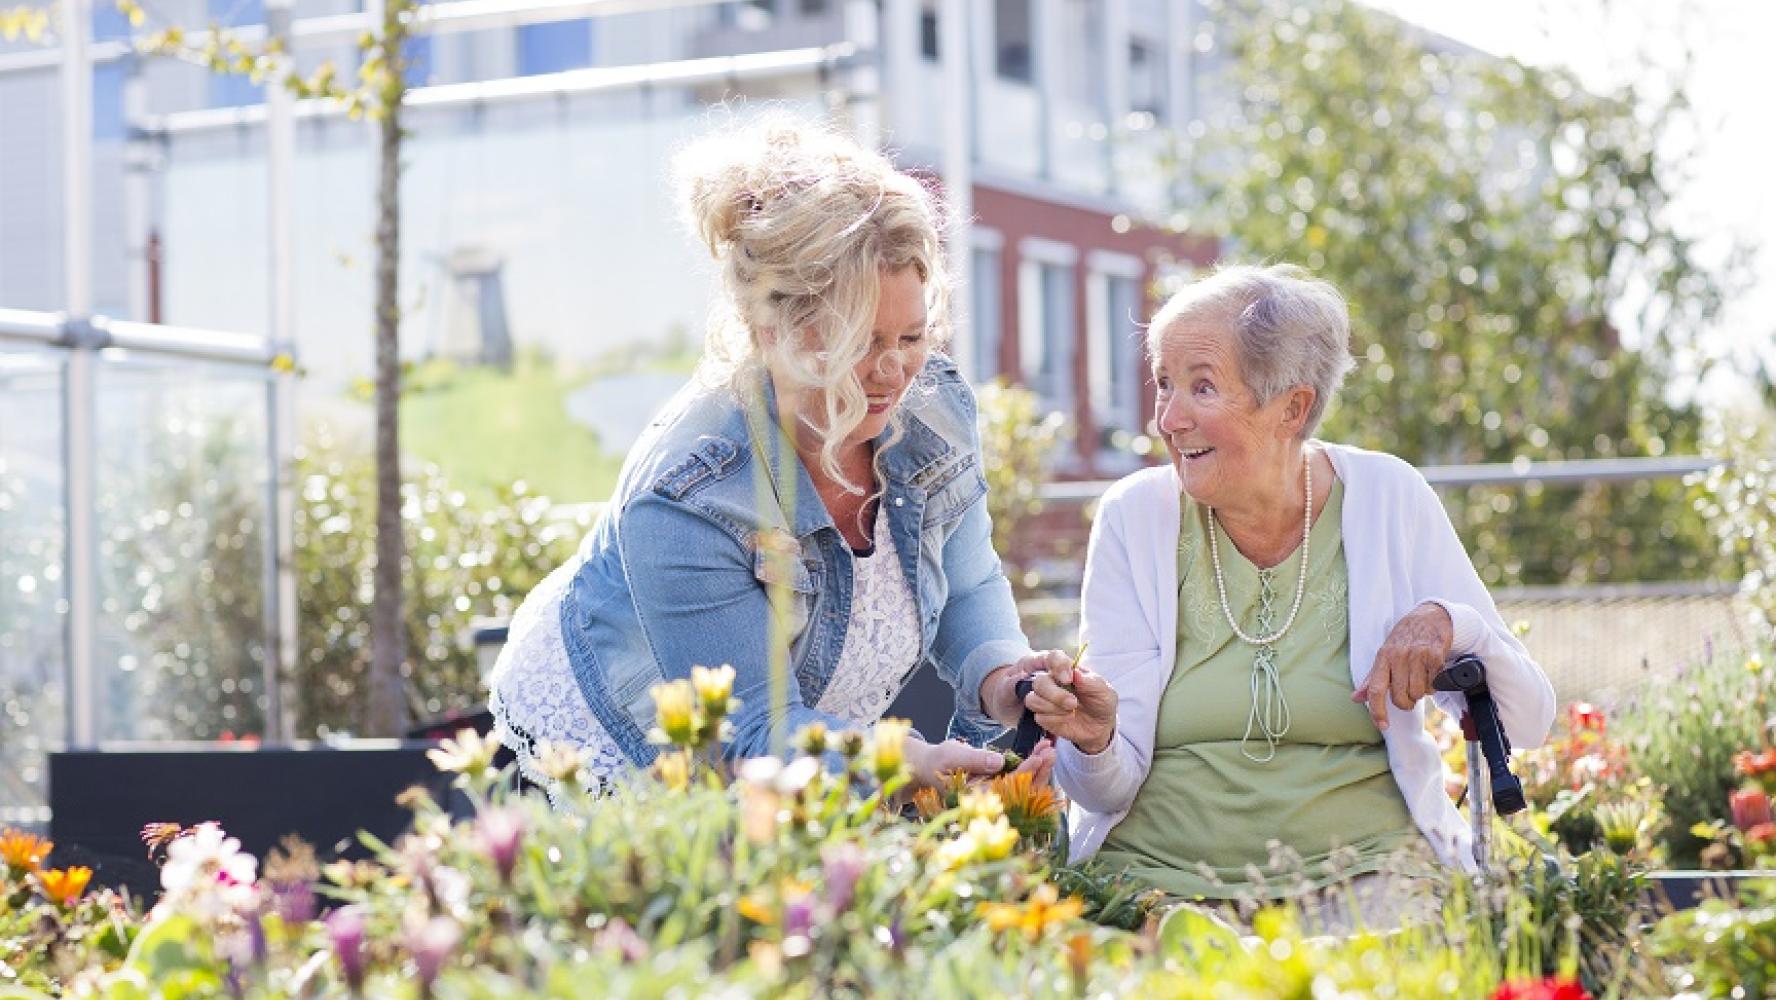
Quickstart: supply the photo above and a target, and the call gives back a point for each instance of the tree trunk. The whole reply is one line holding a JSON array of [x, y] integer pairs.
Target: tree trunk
[[388, 713]]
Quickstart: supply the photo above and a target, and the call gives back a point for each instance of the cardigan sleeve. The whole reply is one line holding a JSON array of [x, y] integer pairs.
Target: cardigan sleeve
[[1122, 647], [1445, 576]]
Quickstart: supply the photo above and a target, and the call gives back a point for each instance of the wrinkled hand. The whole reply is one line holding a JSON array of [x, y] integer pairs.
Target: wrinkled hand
[[929, 762], [1040, 764], [1412, 656], [1073, 703]]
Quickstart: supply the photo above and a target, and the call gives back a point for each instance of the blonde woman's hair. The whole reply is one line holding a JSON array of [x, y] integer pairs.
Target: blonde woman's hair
[[1290, 328], [802, 221]]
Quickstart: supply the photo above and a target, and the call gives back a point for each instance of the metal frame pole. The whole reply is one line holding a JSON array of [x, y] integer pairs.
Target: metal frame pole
[[281, 648], [955, 50], [863, 81], [79, 441]]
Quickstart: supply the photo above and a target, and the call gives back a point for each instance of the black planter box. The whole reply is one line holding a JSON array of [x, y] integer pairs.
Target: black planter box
[[1682, 890], [100, 799]]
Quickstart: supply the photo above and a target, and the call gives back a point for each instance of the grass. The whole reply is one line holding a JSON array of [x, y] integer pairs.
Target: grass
[[487, 429]]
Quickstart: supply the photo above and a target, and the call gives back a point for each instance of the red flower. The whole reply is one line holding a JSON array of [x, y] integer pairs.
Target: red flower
[[1551, 988], [1753, 764], [1751, 807], [1582, 716]]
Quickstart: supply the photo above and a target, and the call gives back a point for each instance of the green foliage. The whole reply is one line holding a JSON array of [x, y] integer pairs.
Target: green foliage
[[1739, 502], [1723, 949], [1491, 224], [463, 562], [1018, 441], [1682, 737]]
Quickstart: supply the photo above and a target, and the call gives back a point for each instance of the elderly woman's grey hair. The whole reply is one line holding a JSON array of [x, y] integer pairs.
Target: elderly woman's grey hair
[[1290, 328]]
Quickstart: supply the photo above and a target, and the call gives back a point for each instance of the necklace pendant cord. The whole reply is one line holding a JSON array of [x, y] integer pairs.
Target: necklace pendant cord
[[1270, 709]]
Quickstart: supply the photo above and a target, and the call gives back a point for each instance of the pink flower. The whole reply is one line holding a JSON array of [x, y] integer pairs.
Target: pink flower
[[345, 931], [431, 942], [1751, 807], [501, 832]]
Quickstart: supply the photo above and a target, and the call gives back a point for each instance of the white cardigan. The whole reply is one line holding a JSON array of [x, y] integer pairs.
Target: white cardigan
[[1400, 550]]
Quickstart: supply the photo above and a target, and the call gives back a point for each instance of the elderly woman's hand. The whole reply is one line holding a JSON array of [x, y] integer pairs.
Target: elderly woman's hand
[[1412, 656], [1073, 703]]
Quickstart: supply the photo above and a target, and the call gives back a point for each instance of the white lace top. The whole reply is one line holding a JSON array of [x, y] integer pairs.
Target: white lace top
[[535, 699]]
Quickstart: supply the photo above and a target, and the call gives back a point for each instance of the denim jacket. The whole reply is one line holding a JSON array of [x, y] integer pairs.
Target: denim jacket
[[675, 573]]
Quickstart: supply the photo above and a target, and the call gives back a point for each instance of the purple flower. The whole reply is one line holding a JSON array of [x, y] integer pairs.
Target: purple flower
[[501, 831], [430, 942], [843, 866], [293, 901], [345, 930], [798, 916]]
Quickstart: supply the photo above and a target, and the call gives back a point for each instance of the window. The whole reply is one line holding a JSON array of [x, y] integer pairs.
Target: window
[[985, 314], [107, 98], [1114, 368], [229, 90], [928, 31], [813, 8], [1045, 331], [554, 47], [1147, 78], [1014, 37]]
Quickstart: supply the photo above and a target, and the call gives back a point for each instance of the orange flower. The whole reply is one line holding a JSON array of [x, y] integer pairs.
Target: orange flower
[[1582, 716], [63, 887], [23, 852], [1023, 798], [928, 802], [1754, 764]]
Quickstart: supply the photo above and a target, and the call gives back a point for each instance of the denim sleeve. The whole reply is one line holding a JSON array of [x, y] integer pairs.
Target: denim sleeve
[[978, 629], [700, 604]]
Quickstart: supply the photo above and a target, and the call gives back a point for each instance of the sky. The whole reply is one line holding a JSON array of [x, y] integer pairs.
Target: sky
[[1732, 87]]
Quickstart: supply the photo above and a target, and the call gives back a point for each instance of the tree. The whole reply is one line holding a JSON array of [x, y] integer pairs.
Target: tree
[[1488, 223]]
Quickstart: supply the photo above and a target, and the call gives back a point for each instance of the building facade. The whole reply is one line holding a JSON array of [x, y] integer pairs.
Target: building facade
[[547, 221]]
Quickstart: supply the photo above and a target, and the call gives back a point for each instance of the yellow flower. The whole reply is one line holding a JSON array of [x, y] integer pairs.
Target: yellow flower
[[1044, 909], [63, 887], [956, 853], [1754, 665], [715, 688], [675, 708], [756, 908], [994, 840], [23, 852], [559, 761], [812, 739], [981, 804], [674, 770], [469, 753], [888, 749]]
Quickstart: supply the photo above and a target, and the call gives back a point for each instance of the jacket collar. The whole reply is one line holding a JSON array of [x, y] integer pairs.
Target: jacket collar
[[906, 463]]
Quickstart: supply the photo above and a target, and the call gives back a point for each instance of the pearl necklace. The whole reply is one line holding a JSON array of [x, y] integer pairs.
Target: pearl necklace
[[1300, 581]]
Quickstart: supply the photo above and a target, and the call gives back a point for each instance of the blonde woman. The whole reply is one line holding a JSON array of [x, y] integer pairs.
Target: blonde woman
[[828, 448]]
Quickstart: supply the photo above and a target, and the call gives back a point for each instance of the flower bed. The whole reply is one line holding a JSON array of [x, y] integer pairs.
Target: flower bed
[[803, 877]]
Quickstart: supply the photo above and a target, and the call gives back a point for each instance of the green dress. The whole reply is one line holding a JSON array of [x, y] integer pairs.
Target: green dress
[[1221, 795]]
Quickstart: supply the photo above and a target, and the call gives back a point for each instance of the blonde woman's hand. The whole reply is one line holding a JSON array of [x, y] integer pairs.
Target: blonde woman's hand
[[929, 762]]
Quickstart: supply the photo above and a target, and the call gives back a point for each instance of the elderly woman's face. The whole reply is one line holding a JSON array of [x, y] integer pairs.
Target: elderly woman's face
[[898, 348], [1220, 440]]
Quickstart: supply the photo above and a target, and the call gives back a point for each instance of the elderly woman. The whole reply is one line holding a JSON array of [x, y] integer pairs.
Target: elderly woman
[[1264, 619], [825, 451]]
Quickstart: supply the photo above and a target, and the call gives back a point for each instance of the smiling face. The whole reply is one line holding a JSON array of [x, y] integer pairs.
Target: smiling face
[[899, 345], [1228, 450]]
